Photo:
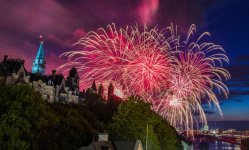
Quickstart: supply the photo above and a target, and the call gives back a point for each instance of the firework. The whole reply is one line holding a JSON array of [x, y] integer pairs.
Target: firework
[[133, 59], [175, 109], [174, 74]]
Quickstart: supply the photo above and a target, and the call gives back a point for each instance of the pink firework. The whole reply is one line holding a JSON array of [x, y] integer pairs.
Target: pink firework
[[197, 72], [175, 109], [173, 74], [135, 60]]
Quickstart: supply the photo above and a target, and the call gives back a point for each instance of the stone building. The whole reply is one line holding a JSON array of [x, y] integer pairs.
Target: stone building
[[54, 87], [12, 71]]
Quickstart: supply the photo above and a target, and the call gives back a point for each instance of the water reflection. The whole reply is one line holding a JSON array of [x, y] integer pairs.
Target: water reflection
[[217, 145]]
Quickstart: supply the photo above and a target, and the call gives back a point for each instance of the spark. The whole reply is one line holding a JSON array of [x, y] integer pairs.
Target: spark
[[172, 72]]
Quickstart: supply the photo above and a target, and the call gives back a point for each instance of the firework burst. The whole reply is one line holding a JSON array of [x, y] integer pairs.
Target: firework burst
[[174, 74], [136, 60]]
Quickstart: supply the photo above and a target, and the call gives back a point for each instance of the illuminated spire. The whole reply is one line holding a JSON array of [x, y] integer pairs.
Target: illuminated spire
[[40, 53], [39, 62]]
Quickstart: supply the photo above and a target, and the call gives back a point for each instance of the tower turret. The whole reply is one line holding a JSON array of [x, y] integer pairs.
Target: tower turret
[[110, 91], [101, 90], [73, 78], [94, 87], [39, 62]]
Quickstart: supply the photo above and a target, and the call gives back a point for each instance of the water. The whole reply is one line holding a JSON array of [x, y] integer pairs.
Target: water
[[219, 146]]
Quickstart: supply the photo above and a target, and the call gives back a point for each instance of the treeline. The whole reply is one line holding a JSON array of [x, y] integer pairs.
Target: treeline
[[29, 122]]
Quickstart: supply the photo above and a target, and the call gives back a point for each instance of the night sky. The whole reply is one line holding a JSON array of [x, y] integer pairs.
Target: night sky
[[63, 22]]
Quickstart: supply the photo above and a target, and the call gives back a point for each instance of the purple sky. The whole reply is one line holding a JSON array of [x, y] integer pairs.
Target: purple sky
[[63, 22]]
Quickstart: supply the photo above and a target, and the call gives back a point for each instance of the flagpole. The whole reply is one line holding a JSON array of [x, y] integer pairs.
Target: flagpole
[[146, 137]]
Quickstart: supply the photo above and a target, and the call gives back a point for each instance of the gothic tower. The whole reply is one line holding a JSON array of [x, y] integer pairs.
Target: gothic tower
[[110, 91], [94, 87], [73, 78], [101, 90], [39, 62]]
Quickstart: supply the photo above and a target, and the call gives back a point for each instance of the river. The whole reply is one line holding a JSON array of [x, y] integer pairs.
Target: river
[[219, 146]]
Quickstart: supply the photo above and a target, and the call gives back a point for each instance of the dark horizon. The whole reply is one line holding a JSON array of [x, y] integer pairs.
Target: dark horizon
[[225, 125]]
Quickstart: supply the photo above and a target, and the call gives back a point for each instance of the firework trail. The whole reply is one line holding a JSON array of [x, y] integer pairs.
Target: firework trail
[[134, 59], [196, 74], [174, 74]]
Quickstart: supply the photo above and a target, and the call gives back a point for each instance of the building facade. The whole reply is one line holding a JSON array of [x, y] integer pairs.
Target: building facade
[[12, 71], [53, 87]]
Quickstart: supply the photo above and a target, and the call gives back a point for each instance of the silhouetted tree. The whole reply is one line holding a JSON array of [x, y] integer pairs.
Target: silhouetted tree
[[134, 118], [21, 117], [29, 122]]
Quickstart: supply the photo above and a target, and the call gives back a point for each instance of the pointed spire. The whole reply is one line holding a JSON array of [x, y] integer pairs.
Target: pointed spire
[[101, 90], [39, 62], [73, 73], [73, 78], [40, 53], [94, 87], [110, 91]]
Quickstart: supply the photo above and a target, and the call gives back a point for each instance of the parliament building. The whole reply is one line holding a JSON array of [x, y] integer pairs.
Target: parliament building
[[53, 87]]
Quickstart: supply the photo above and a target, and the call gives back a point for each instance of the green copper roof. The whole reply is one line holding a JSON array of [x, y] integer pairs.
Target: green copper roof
[[39, 62], [40, 53]]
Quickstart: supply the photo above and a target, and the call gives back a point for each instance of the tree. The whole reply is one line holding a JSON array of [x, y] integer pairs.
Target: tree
[[134, 118], [244, 144], [21, 118], [98, 106], [68, 127], [29, 122]]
